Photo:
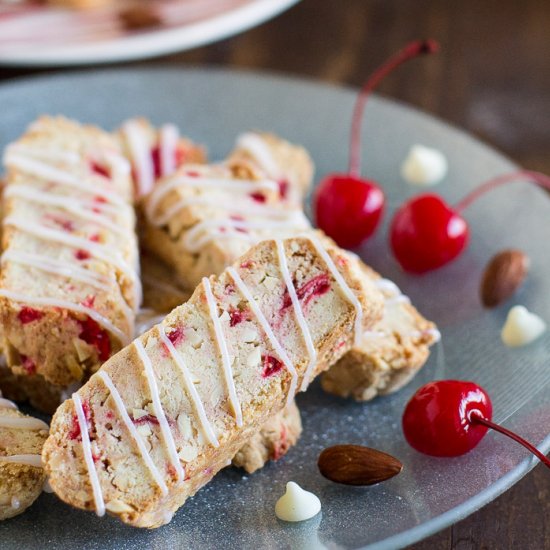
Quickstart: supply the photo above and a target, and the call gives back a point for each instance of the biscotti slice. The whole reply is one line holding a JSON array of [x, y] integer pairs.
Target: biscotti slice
[[155, 153], [69, 275], [286, 163], [165, 414], [22, 477], [389, 354], [203, 217], [279, 434]]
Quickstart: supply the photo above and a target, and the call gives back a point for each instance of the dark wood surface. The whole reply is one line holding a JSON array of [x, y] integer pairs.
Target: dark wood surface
[[492, 78]]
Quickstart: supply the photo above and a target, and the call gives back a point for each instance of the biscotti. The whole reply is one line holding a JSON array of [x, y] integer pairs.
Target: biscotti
[[203, 217], [69, 277], [389, 354], [21, 474], [169, 411]]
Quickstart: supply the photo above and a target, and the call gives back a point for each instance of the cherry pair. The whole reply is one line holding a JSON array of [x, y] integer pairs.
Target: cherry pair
[[426, 233]]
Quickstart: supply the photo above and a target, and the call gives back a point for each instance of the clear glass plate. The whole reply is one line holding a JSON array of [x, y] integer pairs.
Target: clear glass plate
[[235, 510]]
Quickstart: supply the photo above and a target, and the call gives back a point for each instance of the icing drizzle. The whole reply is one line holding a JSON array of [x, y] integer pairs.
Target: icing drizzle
[[298, 312], [153, 470], [190, 387], [222, 346], [88, 458], [159, 411]]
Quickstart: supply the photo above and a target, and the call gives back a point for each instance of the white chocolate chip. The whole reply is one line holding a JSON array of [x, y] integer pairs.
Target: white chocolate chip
[[271, 282], [151, 409], [144, 430], [249, 335], [254, 357], [184, 425], [188, 453], [193, 337], [521, 327], [118, 507], [138, 413], [424, 166], [297, 504], [224, 317]]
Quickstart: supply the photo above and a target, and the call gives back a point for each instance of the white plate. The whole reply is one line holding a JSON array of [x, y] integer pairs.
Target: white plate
[[40, 36]]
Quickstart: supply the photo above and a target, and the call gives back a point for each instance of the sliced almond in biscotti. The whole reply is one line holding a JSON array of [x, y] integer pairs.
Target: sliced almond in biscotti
[[94, 454]]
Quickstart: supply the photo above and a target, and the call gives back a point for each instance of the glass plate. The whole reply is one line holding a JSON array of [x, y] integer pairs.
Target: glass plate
[[236, 510]]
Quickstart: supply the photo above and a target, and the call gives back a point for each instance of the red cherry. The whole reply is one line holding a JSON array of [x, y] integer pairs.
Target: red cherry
[[427, 233], [450, 417], [437, 420], [347, 207]]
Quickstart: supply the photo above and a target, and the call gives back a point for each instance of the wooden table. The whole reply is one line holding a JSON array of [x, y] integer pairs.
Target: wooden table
[[492, 78]]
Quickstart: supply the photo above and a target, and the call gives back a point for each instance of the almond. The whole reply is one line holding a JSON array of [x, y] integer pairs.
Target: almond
[[357, 465], [503, 275]]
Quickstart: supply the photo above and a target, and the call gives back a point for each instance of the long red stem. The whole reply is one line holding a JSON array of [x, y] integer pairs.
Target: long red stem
[[408, 52], [537, 177], [480, 420]]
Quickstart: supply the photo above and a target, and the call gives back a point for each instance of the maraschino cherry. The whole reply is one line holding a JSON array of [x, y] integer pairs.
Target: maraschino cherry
[[426, 233], [347, 207], [449, 418]]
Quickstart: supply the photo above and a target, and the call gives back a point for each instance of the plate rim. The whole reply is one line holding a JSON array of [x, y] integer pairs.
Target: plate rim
[[154, 43], [497, 488]]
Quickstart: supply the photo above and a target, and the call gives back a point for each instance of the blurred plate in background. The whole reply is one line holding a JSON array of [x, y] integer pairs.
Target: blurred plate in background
[[32, 35]]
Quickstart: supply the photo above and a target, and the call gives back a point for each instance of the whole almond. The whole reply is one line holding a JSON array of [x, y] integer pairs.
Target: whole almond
[[357, 465], [503, 275]]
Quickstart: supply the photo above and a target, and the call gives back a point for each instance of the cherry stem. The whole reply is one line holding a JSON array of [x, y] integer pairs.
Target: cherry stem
[[408, 52], [542, 180], [477, 418]]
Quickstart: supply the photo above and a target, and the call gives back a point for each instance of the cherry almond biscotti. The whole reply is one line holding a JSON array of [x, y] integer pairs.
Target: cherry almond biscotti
[[166, 413], [69, 275]]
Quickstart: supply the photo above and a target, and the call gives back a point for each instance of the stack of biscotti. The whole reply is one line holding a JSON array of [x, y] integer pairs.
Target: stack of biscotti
[[21, 474], [165, 414], [191, 206], [69, 276]]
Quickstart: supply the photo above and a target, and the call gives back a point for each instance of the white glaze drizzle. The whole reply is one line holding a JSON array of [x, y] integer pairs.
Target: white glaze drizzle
[[28, 459], [50, 154], [222, 346], [249, 208], [190, 388], [88, 458], [60, 177], [397, 298], [99, 251], [268, 330], [298, 312], [121, 408], [256, 147], [55, 267], [208, 230], [159, 411], [22, 423], [7, 404], [348, 293], [140, 153], [71, 306], [168, 141], [233, 185], [69, 204]]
